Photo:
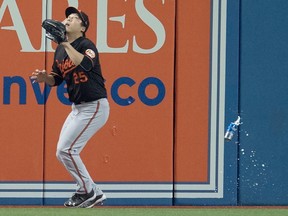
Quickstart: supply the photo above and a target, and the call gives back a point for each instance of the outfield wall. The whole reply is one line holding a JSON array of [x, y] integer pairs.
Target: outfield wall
[[178, 72]]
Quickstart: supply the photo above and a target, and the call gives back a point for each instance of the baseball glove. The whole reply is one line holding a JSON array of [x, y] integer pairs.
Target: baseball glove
[[55, 30]]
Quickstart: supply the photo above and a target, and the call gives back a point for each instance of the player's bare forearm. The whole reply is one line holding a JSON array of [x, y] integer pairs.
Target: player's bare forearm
[[50, 80], [73, 54]]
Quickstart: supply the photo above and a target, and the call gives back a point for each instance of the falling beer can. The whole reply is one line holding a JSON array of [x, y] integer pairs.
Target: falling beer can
[[231, 130]]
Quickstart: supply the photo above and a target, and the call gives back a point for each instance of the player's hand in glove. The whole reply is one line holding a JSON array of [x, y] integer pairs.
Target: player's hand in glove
[[55, 30]]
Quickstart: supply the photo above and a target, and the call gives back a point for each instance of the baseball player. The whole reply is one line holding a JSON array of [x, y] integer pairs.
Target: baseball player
[[76, 61]]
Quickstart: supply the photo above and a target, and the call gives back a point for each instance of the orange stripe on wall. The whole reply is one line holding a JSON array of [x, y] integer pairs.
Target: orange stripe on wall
[[192, 90]]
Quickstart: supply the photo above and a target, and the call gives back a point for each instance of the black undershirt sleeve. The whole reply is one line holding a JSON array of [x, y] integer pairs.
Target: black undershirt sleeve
[[87, 63], [58, 80]]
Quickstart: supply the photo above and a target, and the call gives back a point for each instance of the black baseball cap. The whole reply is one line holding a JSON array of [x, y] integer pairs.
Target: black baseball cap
[[84, 18]]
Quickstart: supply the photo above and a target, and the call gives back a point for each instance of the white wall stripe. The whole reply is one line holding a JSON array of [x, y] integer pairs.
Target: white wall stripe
[[71, 186], [29, 194], [20, 186], [116, 186], [214, 92], [222, 88], [196, 187], [115, 195], [65, 195], [198, 195], [139, 195]]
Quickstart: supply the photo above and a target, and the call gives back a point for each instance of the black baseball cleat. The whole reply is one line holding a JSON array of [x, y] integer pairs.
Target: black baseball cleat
[[97, 201], [79, 200]]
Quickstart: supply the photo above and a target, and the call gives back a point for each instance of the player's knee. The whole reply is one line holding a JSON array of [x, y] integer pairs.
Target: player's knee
[[60, 154]]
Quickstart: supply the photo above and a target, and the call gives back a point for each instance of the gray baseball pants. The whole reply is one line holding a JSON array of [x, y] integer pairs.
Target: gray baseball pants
[[81, 124]]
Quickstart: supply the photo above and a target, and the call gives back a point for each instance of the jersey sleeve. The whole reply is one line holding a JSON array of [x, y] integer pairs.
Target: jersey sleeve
[[91, 56]]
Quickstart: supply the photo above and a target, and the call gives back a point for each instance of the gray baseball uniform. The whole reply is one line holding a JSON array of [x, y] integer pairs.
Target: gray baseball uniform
[[90, 108]]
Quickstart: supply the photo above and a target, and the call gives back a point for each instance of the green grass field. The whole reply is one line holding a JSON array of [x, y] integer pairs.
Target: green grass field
[[130, 211]]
